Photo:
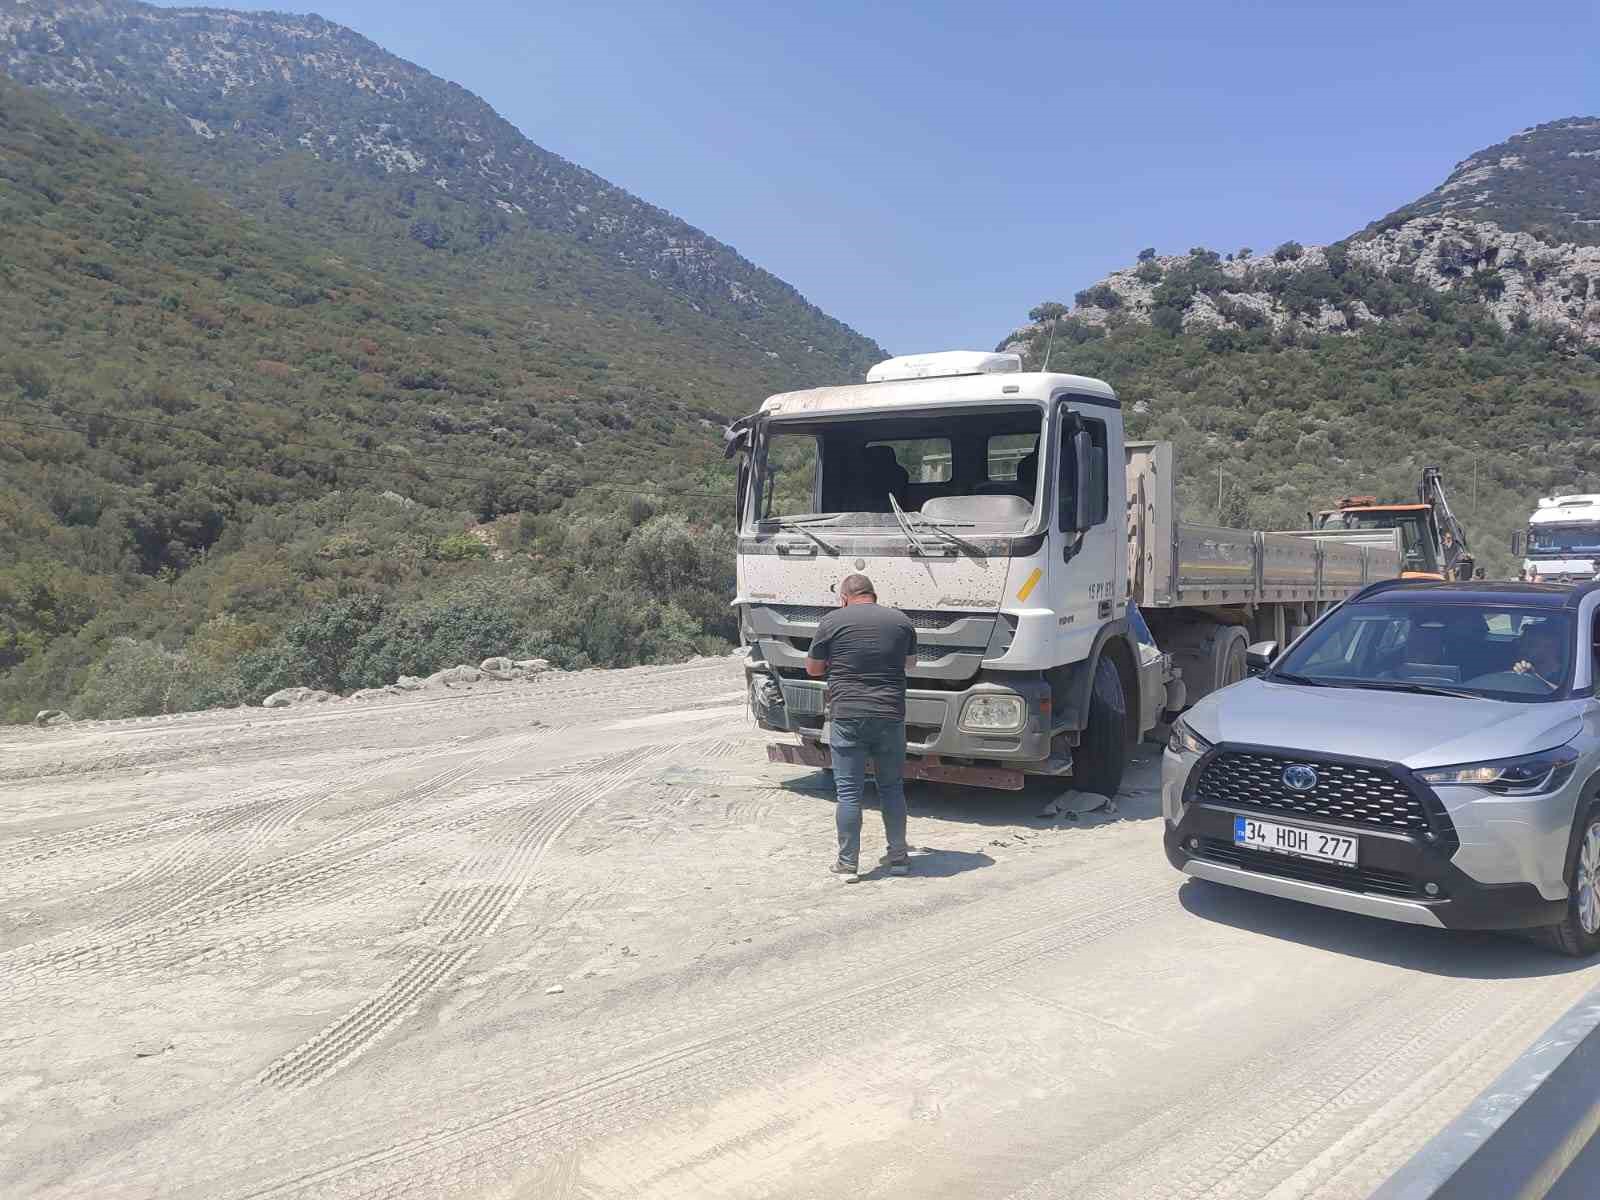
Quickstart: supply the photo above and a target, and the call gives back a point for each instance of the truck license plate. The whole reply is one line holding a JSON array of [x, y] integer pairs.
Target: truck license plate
[[1291, 839]]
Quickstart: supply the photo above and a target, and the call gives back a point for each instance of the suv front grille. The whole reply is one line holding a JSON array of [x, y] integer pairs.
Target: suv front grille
[[1361, 795], [1307, 870]]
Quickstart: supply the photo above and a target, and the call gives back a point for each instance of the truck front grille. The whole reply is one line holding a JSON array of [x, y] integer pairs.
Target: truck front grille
[[1360, 795], [929, 620]]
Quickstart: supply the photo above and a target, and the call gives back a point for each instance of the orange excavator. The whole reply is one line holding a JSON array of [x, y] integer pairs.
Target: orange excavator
[[1433, 544]]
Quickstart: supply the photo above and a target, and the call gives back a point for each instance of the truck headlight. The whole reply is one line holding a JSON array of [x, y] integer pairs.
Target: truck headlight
[[1183, 740], [1527, 775], [992, 714]]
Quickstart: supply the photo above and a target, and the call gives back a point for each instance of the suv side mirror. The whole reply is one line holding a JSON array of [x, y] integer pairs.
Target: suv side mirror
[[1259, 655], [1516, 544]]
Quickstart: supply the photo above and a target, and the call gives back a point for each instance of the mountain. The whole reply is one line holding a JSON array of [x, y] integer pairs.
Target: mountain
[[1544, 181], [316, 372], [1459, 331], [220, 95]]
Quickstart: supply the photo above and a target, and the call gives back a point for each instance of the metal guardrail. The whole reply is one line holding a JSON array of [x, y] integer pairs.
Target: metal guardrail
[[1520, 1138]]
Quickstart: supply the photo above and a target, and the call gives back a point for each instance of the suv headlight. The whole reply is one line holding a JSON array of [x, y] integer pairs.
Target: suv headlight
[[1527, 775], [1183, 740], [992, 714]]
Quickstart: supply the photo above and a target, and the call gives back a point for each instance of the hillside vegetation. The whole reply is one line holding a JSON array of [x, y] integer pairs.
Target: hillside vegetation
[[310, 126], [221, 444], [1271, 422]]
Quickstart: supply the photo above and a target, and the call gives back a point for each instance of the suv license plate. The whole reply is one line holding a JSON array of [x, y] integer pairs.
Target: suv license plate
[[1292, 840]]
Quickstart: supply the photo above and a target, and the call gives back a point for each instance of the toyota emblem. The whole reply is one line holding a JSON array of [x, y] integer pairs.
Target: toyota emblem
[[1299, 778]]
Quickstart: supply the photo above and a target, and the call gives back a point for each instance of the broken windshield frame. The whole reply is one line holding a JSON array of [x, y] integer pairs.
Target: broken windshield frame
[[816, 470]]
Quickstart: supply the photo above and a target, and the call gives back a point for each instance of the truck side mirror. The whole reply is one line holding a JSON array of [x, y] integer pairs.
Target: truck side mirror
[[1516, 544], [1259, 655], [1082, 450]]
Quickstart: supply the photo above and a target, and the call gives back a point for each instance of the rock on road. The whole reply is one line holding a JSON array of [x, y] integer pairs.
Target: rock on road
[[575, 938]]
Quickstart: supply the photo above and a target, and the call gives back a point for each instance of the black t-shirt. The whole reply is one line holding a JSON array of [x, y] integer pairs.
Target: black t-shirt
[[866, 647]]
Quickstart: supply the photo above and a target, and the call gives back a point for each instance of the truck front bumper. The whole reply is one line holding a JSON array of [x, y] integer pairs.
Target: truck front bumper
[[933, 720]]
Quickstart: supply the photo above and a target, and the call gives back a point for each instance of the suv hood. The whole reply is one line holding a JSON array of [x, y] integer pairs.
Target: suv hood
[[1415, 731]]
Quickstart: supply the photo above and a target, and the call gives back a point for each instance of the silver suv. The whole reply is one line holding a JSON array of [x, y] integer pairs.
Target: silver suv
[[1426, 752]]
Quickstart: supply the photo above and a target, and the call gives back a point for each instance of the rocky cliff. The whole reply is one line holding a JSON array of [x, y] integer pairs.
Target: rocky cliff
[[1515, 227]]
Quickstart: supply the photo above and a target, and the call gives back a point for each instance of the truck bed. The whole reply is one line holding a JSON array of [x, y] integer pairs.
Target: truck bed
[[1175, 563]]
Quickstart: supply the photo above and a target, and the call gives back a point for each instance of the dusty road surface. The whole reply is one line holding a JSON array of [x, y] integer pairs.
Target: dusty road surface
[[575, 938]]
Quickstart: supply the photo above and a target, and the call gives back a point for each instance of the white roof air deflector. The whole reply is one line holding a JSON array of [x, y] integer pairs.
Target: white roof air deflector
[[944, 364]]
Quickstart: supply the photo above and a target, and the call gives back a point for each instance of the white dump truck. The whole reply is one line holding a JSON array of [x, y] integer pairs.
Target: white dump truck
[[1562, 544], [1063, 610]]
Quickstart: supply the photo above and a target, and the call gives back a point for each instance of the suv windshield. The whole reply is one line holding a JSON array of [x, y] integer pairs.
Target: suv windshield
[[1503, 652], [960, 470]]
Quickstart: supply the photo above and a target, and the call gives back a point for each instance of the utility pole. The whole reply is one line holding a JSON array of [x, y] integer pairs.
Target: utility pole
[[1219, 493]]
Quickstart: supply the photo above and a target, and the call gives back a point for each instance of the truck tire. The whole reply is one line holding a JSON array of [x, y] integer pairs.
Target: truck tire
[[1101, 756], [1211, 657], [1577, 935]]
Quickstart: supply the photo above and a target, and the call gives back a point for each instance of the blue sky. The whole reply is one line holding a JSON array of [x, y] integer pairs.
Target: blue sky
[[929, 171]]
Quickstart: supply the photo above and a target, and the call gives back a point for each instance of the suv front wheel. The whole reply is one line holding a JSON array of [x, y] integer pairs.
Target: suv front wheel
[[1578, 933]]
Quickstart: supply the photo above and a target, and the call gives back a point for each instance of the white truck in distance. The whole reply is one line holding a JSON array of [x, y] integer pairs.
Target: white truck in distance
[[1563, 539], [1034, 550]]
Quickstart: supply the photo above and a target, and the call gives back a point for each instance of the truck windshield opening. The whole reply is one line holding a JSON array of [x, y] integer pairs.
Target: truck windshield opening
[[1556, 540], [954, 469]]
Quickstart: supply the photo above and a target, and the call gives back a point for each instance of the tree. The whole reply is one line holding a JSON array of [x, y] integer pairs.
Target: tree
[[1243, 253], [1148, 253], [1288, 252], [1050, 310], [1101, 295]]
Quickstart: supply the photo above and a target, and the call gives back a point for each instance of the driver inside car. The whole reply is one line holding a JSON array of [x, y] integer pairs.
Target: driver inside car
[[1543, 655]]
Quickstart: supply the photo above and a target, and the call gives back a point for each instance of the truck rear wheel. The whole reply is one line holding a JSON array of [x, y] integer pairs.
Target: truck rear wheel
[[1101, 756], [1211, 657]]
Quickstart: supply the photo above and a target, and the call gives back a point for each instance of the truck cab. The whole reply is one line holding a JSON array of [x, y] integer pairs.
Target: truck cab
[[986, 504], [1562, 543]]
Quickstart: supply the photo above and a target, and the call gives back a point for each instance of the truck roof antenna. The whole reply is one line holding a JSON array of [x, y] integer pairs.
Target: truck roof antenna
[[1050, 345]]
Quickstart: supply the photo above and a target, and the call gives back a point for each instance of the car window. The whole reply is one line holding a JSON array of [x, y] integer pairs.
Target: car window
[[1504, 652]]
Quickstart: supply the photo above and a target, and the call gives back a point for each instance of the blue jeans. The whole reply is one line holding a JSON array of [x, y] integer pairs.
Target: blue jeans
[[853, 740]]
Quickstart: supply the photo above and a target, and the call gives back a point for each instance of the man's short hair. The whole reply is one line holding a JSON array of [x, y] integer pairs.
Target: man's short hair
[[857, 585]]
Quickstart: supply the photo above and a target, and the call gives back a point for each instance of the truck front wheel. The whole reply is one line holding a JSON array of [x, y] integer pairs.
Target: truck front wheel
[[1101, 756]]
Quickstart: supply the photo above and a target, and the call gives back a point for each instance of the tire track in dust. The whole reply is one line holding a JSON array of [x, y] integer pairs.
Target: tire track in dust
[[778, 1034], [472, 914], [169, 907], [1213, 1142], [100, 836], [260, 820]]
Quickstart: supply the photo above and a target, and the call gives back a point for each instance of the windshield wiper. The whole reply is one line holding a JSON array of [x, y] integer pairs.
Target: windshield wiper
[[1419, 689], [1302, 680], [939, 528], [800, 528], [905, 526]]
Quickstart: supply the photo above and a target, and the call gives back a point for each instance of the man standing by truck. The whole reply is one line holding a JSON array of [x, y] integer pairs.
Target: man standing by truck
[[863, 650]]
